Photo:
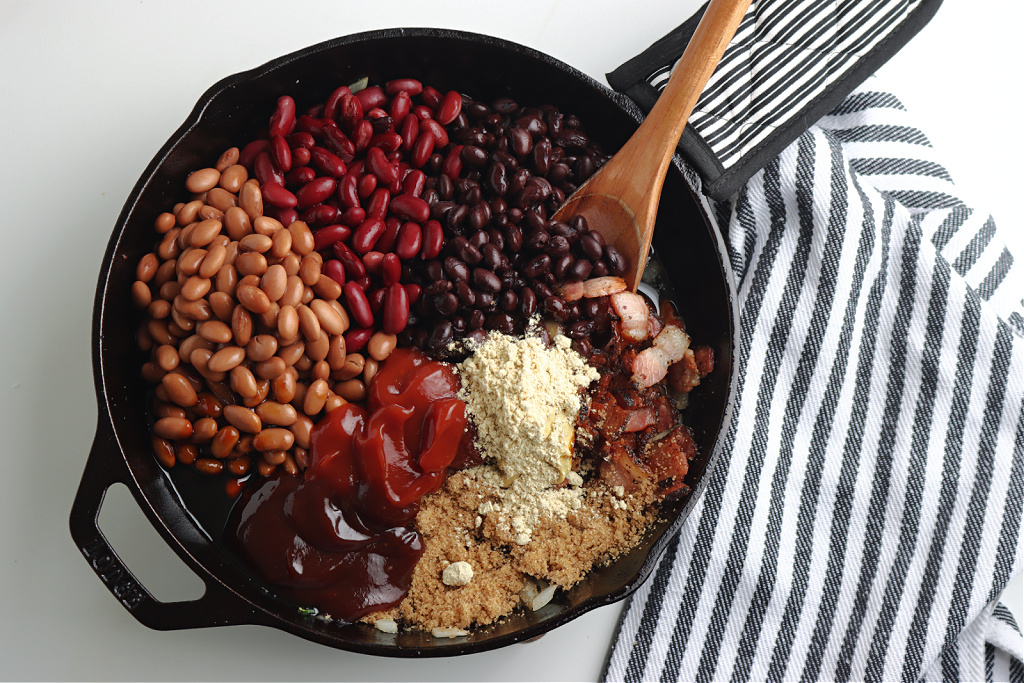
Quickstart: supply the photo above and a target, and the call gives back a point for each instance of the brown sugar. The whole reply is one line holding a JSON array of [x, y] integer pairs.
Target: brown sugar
[[561, 551]]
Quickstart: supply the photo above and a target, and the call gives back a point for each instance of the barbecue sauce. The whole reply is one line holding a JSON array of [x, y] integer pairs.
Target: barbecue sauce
[[340, 538]]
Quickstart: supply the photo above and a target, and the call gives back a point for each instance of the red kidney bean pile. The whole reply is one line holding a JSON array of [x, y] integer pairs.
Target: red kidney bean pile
[[431, 209], [387, 216]]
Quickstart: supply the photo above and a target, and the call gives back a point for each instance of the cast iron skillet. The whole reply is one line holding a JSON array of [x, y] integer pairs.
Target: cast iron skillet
[[229, 114]]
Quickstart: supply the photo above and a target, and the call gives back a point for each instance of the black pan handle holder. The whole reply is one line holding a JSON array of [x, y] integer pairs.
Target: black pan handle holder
[[106, 466]]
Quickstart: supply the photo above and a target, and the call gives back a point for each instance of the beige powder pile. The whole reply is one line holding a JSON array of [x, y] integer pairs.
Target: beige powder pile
[[524, 398]]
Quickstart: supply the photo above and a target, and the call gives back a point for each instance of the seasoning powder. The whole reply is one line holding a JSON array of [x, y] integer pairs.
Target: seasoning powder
[[524, 398]]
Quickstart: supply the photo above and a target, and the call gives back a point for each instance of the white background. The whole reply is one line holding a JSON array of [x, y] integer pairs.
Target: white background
[[90, 91]]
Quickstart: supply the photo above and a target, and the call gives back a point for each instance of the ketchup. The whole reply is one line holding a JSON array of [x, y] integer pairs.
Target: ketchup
[[340, 538]]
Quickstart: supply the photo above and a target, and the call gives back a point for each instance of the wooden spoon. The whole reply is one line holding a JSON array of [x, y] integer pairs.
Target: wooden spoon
[[621, 200]]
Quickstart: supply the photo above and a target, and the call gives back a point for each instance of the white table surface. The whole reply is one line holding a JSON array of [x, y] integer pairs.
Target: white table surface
[[92, 90]]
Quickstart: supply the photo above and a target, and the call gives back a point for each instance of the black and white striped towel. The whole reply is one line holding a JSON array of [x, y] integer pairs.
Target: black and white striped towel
[[865, 513]]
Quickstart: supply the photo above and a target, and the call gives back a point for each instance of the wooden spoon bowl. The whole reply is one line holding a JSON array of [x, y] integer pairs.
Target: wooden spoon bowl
[[621, 200]]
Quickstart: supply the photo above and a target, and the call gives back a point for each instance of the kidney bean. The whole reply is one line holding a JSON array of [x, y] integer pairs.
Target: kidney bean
[[338, 142], [282, 121], [332, 106], [327, 161], [275, 194], [452, 165], [395, 312], [414, 183], [354, 267], [378, 164], [358, 305], [391, 269], [422, 149], [410, 131], [371, 96], [366, 234], [315, 191], [379, 202], [387, 142], [433, 240]]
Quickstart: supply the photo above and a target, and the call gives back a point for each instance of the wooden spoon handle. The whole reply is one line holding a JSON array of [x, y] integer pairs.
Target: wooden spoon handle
[[668, 117]]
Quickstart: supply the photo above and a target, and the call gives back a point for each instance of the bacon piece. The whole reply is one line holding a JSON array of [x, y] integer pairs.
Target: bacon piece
[[592, 288], [633, 311], [669, 458], [651, 365]]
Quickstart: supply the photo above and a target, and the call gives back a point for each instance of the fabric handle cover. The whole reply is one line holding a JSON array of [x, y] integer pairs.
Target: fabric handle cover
[[789, 64]]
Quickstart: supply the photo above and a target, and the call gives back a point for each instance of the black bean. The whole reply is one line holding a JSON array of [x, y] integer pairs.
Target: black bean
[[518, 180], [615, 260], [556, 308], [505, 159], [590, 247], [445, 187], [430, 196], [600, 269], [446, 304], [532, 221], [542, 290], [533, 125], [441, 335], [500, 322], [537, 265], [486, 280], [485, 302], [580, 270], [584, 167], [559, 173], [434, 270], [456, 216], [527, 302], [560, 266], [381, 124], [555, 121], [536, 240], [477, 110], [492, 255], [557, 246], [514, 238], [456, 269], [467, 297], [438, 287], [573, 139], [459, 325], [514, 215], [580, 329], [505, 105], [476, 319], [479, 215], [542, 156], [479, 238], [519, 141], [465, 250], [509, 301]]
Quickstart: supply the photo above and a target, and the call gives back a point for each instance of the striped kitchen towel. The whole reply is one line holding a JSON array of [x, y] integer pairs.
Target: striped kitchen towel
[[865, 513]]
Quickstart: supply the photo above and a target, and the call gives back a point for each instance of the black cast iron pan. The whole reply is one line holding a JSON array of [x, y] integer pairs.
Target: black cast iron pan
[[231, 113]]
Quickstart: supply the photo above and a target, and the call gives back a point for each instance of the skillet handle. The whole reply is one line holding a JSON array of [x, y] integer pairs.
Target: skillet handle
[[105, 467]]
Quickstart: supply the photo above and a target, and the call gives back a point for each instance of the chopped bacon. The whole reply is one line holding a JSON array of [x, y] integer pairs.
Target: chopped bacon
[[592, 288], [651, 365], [637, 420], [633, 311], [704, 356], [669, 457], [619, 469]]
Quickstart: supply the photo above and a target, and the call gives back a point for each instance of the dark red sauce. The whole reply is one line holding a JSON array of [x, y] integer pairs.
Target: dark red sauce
[[340, 538]]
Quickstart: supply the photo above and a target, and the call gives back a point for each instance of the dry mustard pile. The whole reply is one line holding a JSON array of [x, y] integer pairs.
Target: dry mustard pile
[[433, 404]]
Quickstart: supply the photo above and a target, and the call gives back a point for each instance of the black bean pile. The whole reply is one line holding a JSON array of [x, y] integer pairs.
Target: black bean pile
[[508, 168]]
